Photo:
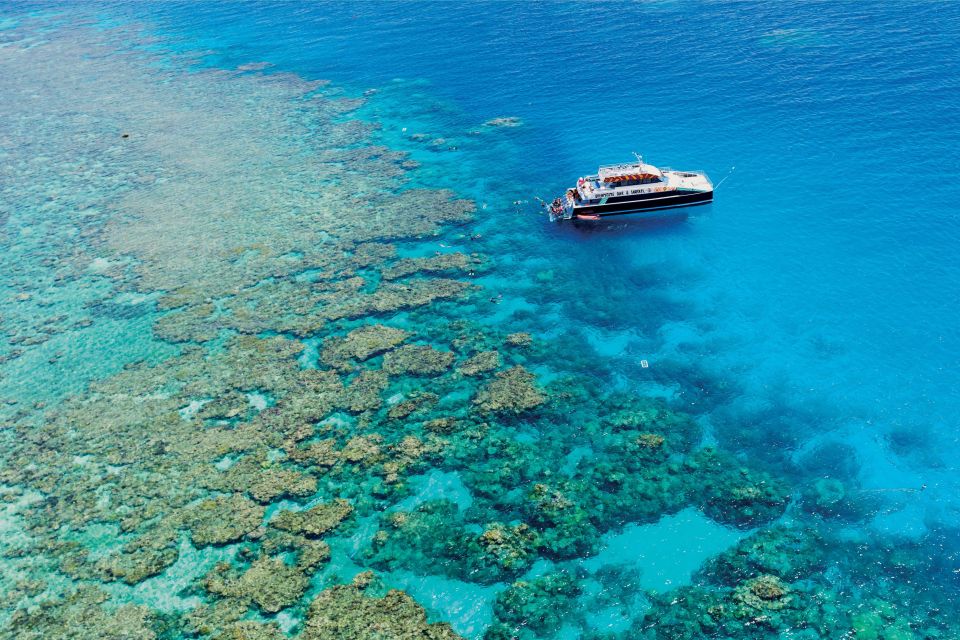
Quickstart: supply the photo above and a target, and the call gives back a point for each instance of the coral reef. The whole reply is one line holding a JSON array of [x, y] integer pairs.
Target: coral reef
[[736, 495], [364, 391], [361, 344], [417, 402], [833, 498], [80, 614], [281, 483], [142, 558], [194, 324], [434, 265], [773, 584], [519, 339], [788, 552], [250, 630], [346, 612], [534, 608], [222, 519], [512, 549], [566, 527], [650, 440], [504, 121], [269, 582], [415, 359], [313, 522], [480, 363], [365, 450], [510, 391], [434, 538], [763, 593]]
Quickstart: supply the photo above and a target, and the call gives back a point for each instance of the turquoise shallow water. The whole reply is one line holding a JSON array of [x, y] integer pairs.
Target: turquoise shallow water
[[803, 324]]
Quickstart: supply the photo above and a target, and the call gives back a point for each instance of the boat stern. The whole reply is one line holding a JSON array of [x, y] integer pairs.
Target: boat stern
[[562, 208]]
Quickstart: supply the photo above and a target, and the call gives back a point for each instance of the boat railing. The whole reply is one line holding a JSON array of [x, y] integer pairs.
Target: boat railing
[[617, 167], [684, 171], [690, 173]]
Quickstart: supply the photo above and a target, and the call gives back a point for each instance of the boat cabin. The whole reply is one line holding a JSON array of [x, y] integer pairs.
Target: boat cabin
[[613, 180]]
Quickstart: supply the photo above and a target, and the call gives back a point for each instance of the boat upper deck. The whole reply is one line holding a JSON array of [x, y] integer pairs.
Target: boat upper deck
[[628, 172], [620, 179]]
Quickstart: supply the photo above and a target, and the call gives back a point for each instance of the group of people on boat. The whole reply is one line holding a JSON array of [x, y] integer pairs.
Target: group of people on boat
[[556, 207]]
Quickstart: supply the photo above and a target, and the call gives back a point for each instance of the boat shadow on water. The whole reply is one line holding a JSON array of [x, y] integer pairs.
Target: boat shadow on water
[[665, 221]]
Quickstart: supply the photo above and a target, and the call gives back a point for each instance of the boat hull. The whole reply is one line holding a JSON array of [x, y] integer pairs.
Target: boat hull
[[656, 202]]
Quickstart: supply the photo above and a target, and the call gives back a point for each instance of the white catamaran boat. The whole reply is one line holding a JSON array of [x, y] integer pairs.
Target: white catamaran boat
[[635, 187]]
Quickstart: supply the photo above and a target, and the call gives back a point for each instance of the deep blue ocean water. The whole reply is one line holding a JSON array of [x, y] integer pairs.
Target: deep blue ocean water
[[812, 308], [823, 278]]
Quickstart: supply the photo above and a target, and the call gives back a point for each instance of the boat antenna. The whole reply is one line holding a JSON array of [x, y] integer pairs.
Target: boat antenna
[[724, 178], [638, 157]]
